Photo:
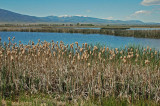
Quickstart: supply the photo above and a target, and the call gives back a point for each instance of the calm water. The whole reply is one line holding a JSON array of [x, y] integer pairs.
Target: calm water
[[144, 29], [68, 38]]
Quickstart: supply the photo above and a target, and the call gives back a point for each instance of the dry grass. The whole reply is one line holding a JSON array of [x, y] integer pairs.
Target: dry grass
[[132, 73]]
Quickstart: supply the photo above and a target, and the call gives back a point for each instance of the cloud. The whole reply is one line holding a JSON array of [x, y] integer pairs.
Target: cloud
[[150, 2], [141, 12], [109, 18], [65, 16], [81, 15]]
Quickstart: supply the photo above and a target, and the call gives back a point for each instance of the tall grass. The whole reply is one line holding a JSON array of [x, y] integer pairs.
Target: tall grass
[[86, 71]]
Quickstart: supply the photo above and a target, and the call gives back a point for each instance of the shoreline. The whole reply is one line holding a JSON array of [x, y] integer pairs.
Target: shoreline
[[152, 34]]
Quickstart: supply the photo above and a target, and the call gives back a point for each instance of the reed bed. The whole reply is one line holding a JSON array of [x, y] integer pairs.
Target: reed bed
[[127, 33], [86, 71]]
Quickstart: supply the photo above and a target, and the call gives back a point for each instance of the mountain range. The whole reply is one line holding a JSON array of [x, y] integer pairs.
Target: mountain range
[[12, 17]]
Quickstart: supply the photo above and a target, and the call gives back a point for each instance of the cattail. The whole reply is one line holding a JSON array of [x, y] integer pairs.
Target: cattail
[[150, 49], [124, 60], [129, 56], [121, 52], [76, 43], [13, 38], [113, 54], [89, 64], [155, 52], [9, 38], [81, 49], [147, 47], [54, 53], [95, 48], [147, 61], [107, 48], [11, 58], [128, 49], [110, 58], [85, 45]]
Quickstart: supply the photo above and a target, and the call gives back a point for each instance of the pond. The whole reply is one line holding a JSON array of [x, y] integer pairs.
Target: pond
[[68, 38]]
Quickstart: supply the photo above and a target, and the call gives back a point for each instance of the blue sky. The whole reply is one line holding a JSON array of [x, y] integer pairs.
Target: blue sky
[[144, 10]]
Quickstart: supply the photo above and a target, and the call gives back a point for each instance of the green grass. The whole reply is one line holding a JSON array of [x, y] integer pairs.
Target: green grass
[[45, 99]]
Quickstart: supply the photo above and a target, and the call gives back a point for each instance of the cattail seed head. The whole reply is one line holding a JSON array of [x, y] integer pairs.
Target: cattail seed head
[[107, 48], [150, 49], [156, 52], [85, 45], [147, 61], [89, 64], [12, 58], [9, 38], [124, 60]]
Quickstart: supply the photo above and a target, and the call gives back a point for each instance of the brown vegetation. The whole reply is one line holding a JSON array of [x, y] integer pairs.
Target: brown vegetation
[[88, 71]]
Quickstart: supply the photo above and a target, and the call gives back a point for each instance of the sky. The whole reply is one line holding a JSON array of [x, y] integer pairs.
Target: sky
[[144, 10]]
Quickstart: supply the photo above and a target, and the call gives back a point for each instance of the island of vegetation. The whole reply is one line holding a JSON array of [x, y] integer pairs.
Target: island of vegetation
[[116, 30]]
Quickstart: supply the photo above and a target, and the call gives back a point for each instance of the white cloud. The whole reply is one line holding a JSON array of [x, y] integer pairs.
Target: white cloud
[[65, 16], [81, 15], [141, 12], [109, 18], [150, 2]]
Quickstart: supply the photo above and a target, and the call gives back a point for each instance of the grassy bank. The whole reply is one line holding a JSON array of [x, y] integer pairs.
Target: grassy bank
[[63, 100], [87, 71], [127, 33]]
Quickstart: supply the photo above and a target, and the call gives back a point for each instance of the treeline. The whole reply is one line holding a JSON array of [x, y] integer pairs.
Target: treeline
[[127, 33]]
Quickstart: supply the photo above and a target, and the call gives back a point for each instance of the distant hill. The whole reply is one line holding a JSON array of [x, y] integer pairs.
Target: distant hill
[[11, 17], [82, 19], [8, 16]]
